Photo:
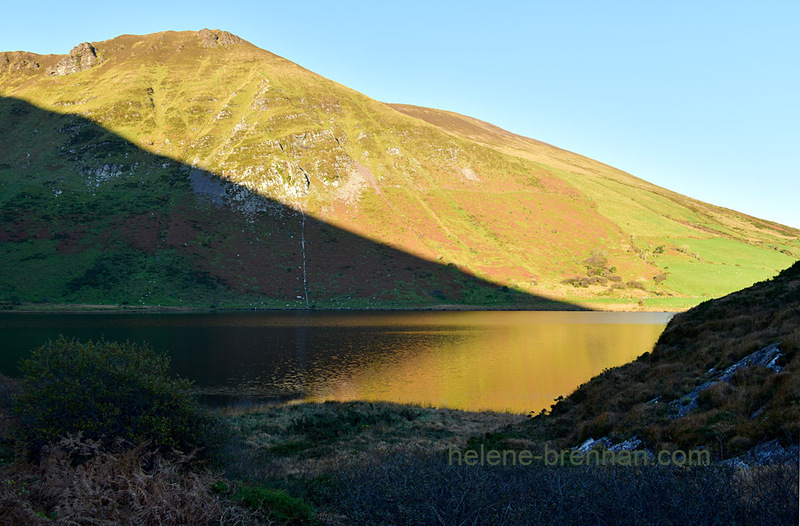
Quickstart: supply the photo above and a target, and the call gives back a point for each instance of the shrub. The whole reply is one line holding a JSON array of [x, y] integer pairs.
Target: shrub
[[132, 487], [327, 424], [601, 426], [8, 388], [105, 391], [282, 506], [596, 261], [716, 396]]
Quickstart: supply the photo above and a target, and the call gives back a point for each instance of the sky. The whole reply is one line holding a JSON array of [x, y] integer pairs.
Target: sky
[[700, 97]]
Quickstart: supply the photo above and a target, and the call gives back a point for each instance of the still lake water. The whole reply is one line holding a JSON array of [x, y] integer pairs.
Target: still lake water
[[506, 361]]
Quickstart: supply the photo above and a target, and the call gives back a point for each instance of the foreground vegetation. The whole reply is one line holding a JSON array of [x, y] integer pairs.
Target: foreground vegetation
[[650, 397], [392, 471], [366, 463], [68, 459]]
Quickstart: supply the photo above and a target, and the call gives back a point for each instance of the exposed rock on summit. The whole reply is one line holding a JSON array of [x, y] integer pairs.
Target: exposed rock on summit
[[209, 38], [82, 57], [17, 60]]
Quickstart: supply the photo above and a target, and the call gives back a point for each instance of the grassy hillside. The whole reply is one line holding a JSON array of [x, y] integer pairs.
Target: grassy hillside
[[215, 119], [90, 218], [701, 249]]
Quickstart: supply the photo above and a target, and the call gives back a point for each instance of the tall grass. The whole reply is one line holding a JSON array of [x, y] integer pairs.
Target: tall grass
[[414, 489], [78, 482]]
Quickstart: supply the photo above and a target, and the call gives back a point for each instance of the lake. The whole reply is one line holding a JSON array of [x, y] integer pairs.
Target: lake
[[504, 361]]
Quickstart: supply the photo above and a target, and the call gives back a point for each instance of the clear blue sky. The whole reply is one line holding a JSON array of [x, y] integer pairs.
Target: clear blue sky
[[701, 97]]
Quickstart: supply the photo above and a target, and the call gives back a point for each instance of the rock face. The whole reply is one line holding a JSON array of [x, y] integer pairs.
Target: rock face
[[18, 60], [591, 443], [214, 38], [82, 57], [771, 452], [630, 444], [766, 357]]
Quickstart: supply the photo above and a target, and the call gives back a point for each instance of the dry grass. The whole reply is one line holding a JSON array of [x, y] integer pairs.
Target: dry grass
[[311, 439], [424, 489], [756, 405], [371, 463], [82, 481], [76, 482], [395, 470]]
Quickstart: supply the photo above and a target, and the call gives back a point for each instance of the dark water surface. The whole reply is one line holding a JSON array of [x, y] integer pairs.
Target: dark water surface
[[515, 361]]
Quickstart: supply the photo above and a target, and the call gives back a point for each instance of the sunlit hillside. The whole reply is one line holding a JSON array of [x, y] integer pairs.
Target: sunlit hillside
[[259, 183]]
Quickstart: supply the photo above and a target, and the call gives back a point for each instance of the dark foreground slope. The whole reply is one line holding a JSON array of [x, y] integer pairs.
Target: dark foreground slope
[[723, 375]]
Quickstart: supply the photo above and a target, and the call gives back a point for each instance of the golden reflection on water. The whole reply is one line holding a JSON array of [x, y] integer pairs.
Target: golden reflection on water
[[503, 361]]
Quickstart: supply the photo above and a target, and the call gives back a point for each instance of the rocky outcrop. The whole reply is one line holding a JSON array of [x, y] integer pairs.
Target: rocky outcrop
[[591, 443], [214, 38], [18, 60], [771, 452], [82, 57], [766, 357], [630, 444], [209, 187]]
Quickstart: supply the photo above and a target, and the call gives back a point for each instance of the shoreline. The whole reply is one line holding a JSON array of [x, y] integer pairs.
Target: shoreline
[[65, 308]]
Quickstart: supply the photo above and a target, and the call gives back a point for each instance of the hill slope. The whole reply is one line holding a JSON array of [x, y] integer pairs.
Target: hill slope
[[93, 219], [723, 375], [206, 117]]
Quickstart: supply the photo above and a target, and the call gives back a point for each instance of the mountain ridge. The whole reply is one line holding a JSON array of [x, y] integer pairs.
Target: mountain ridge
[[443, 187]]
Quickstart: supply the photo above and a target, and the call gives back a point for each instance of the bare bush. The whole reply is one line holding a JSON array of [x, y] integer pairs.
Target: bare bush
[[77, 482]]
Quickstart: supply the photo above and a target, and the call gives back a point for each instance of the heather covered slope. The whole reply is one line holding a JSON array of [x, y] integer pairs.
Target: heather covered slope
[[723, 375], [89, 218], [441, 187], [701, 249]]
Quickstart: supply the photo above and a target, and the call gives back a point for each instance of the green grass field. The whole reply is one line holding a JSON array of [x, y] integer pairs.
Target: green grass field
[[694, 278], [729, 251]]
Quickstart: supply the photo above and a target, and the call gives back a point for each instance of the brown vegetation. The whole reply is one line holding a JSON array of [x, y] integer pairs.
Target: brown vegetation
[[77, 482], [755, 405], [372, 463]]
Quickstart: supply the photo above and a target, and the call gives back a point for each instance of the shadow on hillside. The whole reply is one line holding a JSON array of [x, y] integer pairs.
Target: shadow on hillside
[[88, 217]]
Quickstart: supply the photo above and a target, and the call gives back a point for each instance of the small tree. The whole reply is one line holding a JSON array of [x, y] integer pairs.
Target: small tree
[[106, 391]]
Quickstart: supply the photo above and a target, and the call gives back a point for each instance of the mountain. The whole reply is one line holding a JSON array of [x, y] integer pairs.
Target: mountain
[[193, 168]]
